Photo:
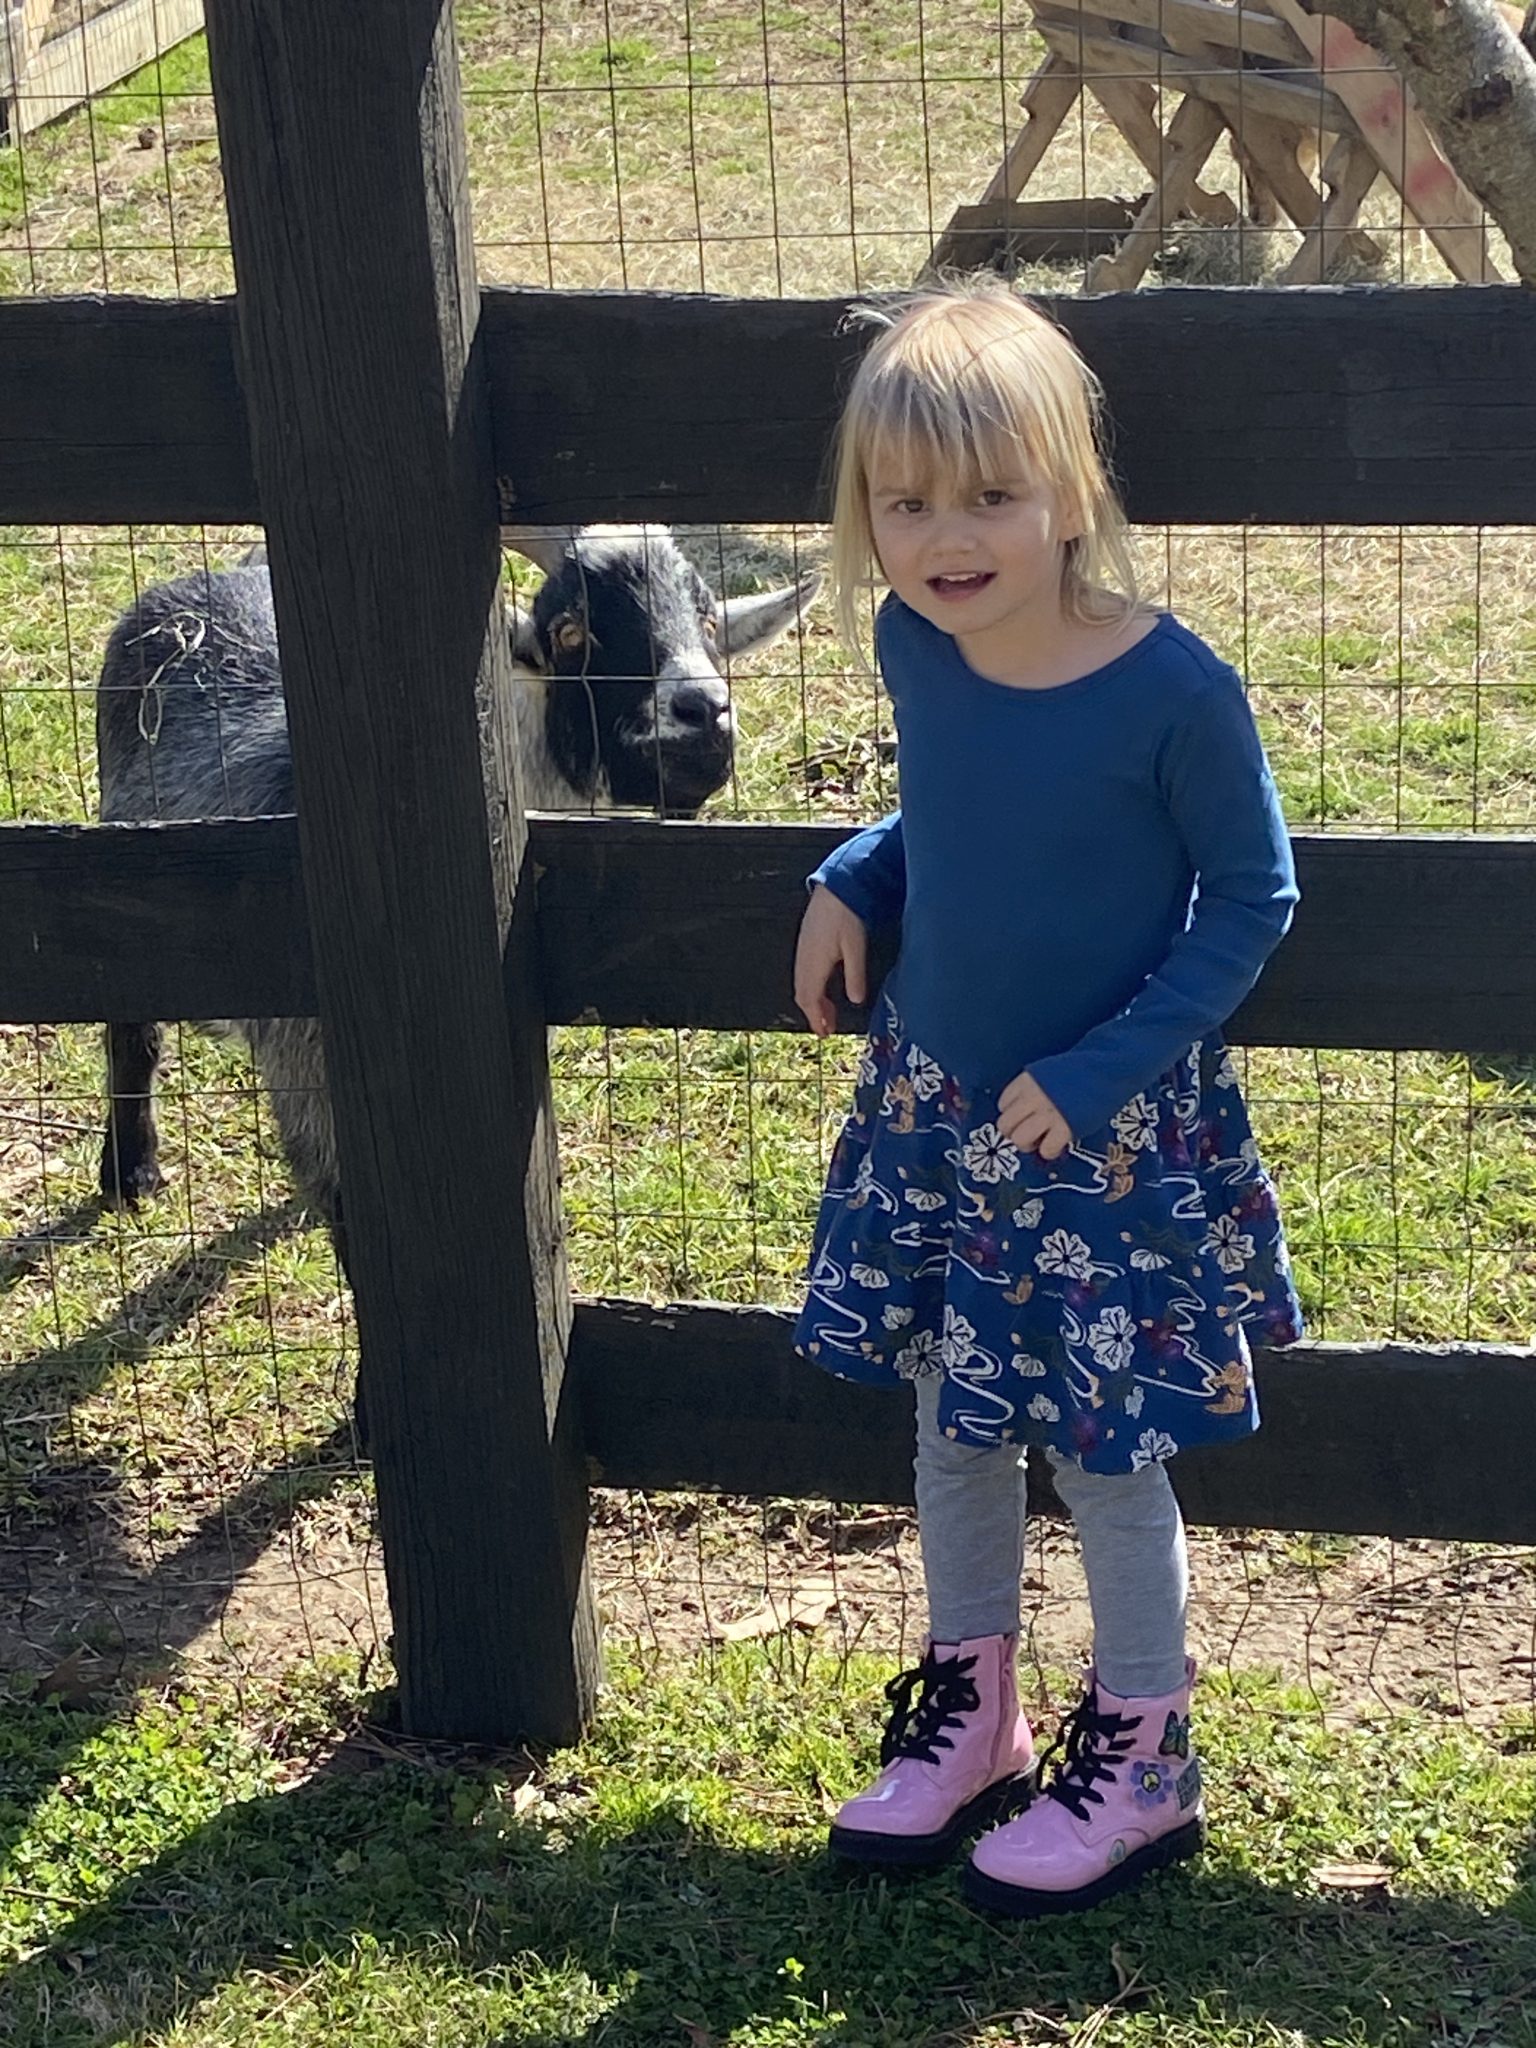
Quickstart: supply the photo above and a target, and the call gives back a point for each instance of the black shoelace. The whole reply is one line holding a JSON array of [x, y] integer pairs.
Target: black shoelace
[[1096, 1745], [948, 1695]]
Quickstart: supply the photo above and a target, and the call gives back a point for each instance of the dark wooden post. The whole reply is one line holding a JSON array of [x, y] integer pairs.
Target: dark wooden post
[[344, 164]]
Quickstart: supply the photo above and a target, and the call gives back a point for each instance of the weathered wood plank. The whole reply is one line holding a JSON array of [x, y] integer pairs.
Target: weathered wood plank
[[96, 52], [1349, 406], [1360, 406], [117, 409], [359, 312], [1403, 942], [132, 924], [1409, 942], [1386, 1440], [22, 23]]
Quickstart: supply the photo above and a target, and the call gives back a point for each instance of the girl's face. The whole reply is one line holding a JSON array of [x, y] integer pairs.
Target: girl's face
[[980, 560]]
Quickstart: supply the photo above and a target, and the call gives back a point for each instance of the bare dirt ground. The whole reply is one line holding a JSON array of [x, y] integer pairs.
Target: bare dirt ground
[[1359, 1624]]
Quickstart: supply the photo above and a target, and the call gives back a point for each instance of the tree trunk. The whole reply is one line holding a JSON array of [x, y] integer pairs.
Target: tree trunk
[[1476, 87]]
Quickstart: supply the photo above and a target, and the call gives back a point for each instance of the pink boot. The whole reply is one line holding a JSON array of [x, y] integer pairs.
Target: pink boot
[[960, 1758], [1124, 1799]]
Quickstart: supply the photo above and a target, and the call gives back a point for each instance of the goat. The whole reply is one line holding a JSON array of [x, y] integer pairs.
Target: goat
[[619, 702]]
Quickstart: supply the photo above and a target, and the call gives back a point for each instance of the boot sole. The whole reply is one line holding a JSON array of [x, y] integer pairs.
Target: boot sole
[[926, 1852], [1017, 1903]]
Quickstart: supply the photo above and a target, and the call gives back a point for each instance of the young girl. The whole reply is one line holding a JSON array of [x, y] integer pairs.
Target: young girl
[[1046, 1210]]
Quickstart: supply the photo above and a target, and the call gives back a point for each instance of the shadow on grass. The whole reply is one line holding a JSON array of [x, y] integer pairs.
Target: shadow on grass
[[630, 1932], [144, 1318], [186, 1589], [68, 1572], [22, 1254]]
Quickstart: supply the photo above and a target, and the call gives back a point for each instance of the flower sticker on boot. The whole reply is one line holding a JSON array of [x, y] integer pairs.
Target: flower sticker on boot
[[1150, 1784]]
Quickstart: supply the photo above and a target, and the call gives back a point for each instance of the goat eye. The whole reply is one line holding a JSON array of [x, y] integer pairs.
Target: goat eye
[[569, 634]]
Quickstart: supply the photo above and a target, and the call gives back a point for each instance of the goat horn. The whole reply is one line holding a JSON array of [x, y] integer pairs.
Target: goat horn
[[545, 546]]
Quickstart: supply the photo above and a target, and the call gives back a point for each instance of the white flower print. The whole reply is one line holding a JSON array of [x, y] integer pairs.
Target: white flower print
[[863, 1183], [869, 1070], [869, 1276], [1134, 1400], [925, 1198], [1028, 1215], [1065, 1252], [921, 1356], [894, 1316], [1113, 1338], [988, 1154], [1154, 1446], [1148, 1262], [1248, 1152], [959, 1337], [1230, 1247], [927, 1077], [1044, 1409], [1225, 1075], [1029, 1367], [1136, 1124]]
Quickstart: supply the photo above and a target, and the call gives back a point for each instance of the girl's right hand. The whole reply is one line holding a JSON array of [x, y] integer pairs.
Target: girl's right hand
[[831, 936]]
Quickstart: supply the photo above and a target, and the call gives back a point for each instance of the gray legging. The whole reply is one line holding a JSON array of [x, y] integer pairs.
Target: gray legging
[[970, 1512]]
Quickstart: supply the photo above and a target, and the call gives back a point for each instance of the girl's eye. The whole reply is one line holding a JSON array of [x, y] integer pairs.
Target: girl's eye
[[996, 495], [908, 505]]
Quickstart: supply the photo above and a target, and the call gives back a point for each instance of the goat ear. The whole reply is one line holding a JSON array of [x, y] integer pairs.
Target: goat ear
[[526, 650], [545, 546], [749, 622]]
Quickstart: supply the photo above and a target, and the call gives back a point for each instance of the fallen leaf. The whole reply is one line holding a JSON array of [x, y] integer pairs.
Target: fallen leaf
[[1126, 1977], [807, 1604], [526, 1796], [830, 1807], [1353, 1877], [73, 1684], [698, 2037]]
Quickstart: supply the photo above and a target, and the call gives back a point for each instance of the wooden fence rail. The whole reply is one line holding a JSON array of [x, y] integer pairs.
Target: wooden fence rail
[[1385, 1439], [1359, 406], [1408, 942]]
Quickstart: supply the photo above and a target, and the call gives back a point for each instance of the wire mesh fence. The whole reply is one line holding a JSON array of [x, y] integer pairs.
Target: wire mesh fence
[[179, 1469]]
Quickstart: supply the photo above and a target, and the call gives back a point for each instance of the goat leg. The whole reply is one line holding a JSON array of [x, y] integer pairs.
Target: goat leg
[[130, 1152]]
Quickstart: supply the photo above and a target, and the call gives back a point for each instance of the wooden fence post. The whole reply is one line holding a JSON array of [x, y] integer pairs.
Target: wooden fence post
[[344, 164]]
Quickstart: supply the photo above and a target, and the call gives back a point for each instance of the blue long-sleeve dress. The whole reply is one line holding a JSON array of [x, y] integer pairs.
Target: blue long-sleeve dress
[[1089, 880]]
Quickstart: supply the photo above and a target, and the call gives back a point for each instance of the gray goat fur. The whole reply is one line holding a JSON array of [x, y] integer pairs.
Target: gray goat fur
[[619, 701]]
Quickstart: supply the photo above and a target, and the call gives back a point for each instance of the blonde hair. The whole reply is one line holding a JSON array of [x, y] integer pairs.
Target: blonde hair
[[967, 382]]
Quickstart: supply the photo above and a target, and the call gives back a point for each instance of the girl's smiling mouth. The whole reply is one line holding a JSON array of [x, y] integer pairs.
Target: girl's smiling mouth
[[960, 586]]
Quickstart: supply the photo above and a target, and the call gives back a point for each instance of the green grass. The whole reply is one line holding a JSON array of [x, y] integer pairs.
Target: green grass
[[203, 1869]]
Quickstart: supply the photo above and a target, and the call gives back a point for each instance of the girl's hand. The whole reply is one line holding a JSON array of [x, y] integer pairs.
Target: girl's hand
[[831, 936], [1030, 1120]]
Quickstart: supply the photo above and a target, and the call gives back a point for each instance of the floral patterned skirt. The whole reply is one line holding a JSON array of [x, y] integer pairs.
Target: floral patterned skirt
[[1099, 1303]]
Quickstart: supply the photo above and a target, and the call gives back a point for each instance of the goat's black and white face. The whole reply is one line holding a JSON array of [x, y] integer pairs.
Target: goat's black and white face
[[628, 639]]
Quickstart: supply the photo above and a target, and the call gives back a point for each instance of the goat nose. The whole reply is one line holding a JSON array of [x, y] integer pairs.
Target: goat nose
[[696, 704]]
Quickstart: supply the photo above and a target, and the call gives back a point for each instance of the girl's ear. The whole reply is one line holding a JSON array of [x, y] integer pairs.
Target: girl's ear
[[1072, 522]]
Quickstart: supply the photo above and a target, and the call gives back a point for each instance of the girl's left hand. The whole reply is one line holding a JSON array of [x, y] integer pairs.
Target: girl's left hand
[[1029, 1119]]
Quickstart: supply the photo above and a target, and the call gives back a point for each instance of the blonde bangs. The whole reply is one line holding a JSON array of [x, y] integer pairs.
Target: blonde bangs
[[965, 386]]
